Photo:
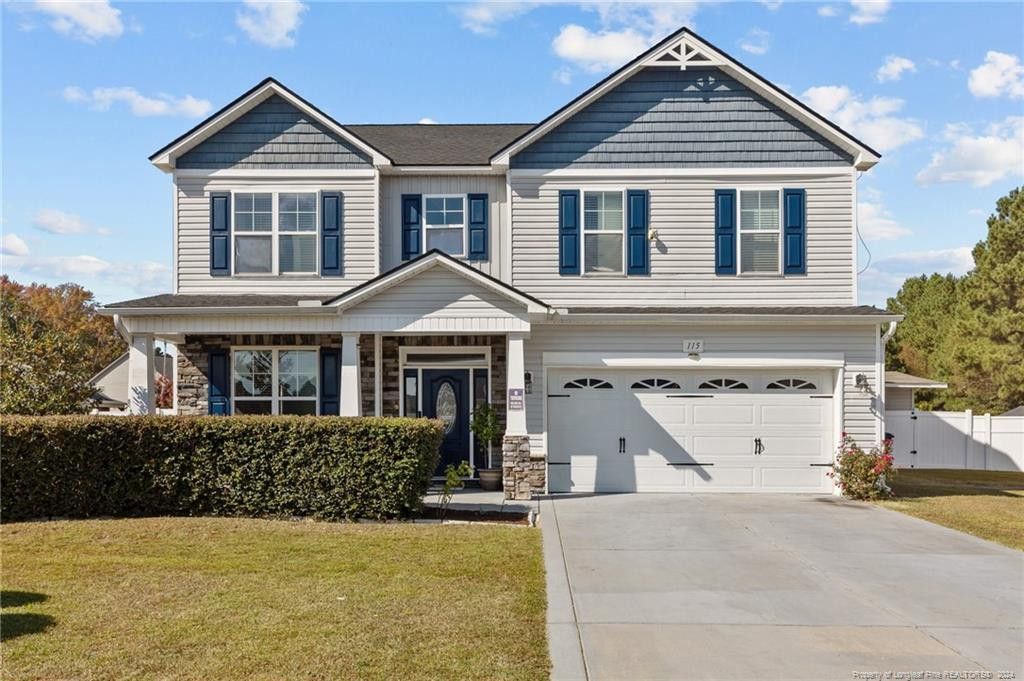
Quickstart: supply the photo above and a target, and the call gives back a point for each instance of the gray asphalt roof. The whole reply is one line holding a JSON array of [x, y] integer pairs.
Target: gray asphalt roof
[[858, 310], [440, 144], [214, 300]]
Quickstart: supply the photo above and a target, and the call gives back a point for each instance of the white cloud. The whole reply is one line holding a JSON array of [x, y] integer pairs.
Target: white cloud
[[483, 18], [868, 11], [85, 20], [827, 11], [427, 121], [563, 75], [59, 222], [12, 244], [771, 5], [102, 98], [271, 23], [598, 51], [893, 68], [1001, 75], [875, 221], [978, 159], [946, 260], [871, 120], [143, 276], [757, 41]]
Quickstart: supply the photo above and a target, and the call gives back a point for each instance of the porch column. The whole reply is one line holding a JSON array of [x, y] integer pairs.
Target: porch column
[[141, 370], [351, 394], [515, 415]]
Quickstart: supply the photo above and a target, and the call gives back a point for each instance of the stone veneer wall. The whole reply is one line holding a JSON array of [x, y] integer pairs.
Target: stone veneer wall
[[193, 371], [522, 474]]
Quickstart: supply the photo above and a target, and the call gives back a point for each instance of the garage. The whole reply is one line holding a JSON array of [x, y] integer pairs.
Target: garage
[[649, 430]]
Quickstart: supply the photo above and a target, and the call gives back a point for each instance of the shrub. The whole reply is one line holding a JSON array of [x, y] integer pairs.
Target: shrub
[[864, 475], [325, 467]]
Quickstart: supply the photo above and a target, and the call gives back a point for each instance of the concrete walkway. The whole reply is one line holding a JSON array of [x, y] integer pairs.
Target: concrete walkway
[[772, 587]]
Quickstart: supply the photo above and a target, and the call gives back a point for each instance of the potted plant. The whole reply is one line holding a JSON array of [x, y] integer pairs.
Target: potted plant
[[487, 430]]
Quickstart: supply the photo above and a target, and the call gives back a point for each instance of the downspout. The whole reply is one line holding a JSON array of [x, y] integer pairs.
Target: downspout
[[889, 333], [121, 329], [881, 377]]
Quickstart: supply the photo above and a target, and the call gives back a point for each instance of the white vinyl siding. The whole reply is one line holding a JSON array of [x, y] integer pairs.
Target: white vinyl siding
[[393, 186], [857, 343], [359, 237], [682, 211]]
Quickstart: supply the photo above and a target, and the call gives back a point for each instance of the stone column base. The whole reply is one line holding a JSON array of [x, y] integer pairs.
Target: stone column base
[[522, 475]]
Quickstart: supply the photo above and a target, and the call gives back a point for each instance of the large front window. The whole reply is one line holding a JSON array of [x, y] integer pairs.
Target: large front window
[[445, 224], [759, 231], [275, 232], [274, 381], [603, 230]]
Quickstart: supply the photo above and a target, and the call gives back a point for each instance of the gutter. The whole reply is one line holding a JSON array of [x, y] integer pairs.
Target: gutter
[[118, 312], [727, 318]]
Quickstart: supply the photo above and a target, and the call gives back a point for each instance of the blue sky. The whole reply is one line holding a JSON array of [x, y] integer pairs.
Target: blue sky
[[90, 89]]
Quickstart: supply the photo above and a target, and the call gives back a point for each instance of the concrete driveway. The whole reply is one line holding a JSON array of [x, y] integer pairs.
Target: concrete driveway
[[772, 587]]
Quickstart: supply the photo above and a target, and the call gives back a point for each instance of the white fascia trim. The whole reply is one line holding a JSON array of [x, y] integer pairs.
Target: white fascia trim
[[166, 160], [680, 360], [425, 264], [206, 311], [655, 173], [863, 158], [657, 318], [916, 386], [443, 170], [265, 173]]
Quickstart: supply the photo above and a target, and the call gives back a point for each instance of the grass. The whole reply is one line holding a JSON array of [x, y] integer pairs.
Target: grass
[[214, 598], [987, 504]]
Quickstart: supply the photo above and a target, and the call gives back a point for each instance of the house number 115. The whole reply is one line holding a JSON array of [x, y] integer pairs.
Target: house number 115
[[693, 346]]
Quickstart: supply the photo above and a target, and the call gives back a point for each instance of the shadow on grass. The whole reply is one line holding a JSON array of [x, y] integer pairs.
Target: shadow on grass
[[917, 483], [15, 624]]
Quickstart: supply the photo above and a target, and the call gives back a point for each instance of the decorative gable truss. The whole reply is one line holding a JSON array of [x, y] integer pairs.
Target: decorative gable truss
[[682, 54]]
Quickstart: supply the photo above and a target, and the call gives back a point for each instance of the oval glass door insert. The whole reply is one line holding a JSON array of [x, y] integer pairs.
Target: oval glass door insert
[[445, 406]]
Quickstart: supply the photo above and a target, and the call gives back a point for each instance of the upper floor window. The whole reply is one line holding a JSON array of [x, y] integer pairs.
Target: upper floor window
[[603, 232], [281, 241], [445, 224], [760, 225]]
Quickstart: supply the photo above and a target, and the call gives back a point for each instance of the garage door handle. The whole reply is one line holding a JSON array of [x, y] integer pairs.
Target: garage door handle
[[559, 395], [688, 396], [822, 465], [622, 445], [696, 463]]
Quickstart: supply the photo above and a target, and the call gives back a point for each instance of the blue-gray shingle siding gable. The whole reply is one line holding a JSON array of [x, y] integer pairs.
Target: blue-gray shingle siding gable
[[274, 134], [664, 117]]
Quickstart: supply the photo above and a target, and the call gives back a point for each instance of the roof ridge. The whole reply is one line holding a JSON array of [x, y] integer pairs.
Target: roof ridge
[[426, 125]]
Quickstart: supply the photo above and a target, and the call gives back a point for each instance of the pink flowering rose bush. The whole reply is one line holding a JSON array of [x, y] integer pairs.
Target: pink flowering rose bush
[[864, 475]]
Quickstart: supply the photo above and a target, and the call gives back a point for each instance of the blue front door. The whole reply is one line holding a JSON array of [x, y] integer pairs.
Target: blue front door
[[446, 398]]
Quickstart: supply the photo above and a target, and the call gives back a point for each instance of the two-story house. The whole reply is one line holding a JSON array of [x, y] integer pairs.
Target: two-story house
[[656, 285]]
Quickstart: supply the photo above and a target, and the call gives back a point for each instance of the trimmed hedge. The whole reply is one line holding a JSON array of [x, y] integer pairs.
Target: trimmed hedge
[[324, 467]]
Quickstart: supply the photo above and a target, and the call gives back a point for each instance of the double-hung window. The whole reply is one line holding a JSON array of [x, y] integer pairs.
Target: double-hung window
[[275, 381], [444, 219], [603, 232], [275, 232], [760, 227]]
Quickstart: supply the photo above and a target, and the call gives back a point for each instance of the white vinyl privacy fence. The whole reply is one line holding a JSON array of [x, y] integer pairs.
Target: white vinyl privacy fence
[[956, 439]]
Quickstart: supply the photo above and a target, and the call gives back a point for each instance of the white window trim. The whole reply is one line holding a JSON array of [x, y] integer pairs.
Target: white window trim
[[465, 222], [275, 397], [583, 231], [275, 233], [740, 230]]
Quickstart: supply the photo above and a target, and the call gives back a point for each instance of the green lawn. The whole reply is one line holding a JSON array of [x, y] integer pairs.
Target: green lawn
[[211, 598], [987, 504]]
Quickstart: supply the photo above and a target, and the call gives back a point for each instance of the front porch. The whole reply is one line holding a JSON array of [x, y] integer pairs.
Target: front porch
[[433, 338]]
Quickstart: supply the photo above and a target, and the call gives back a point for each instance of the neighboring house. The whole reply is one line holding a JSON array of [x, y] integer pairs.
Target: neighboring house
[[900, 387], [656, 285], [111, 384], [1016, 411]]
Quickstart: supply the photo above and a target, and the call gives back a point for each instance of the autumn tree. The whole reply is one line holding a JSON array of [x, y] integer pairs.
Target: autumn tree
[[52, 341]]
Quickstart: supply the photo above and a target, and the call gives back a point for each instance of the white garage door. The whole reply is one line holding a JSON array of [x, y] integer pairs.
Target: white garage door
[[676, 431]]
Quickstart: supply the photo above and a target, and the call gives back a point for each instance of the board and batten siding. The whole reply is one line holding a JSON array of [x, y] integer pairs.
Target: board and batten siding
[[393, 186], [359, 236], [274, 134], [668, 118], [857, 343], [682, 210]]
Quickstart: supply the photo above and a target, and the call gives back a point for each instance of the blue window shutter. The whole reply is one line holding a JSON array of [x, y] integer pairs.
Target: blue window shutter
[[794, 230], [219, 390], [478, 227], [569, 232], [330, 234], [411, 229], [725, 231], [330, 378], [638, 257], [220, 235]]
